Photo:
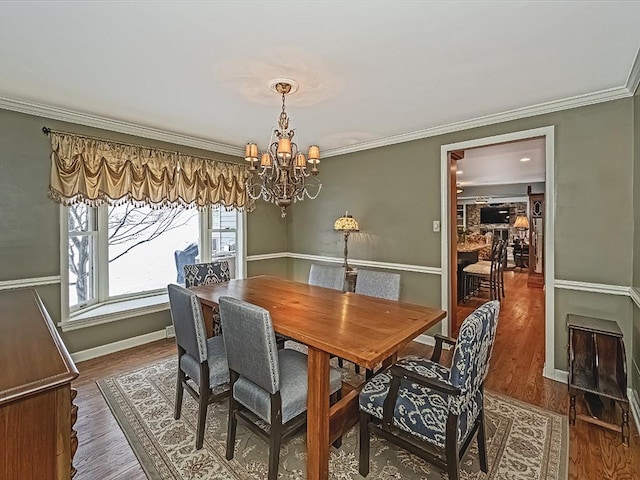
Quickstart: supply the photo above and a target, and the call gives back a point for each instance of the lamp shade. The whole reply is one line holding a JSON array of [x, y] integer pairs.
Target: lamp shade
[[521, 222], [346, 223]]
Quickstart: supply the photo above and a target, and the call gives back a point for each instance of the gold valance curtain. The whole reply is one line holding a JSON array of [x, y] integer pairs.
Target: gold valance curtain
[[95, 171]]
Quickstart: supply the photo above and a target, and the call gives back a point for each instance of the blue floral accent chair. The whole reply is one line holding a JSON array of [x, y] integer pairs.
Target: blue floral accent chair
[[206, 273], [433, 404]]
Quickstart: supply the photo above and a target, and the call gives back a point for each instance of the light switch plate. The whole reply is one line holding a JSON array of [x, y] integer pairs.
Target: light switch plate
[[436, 225]]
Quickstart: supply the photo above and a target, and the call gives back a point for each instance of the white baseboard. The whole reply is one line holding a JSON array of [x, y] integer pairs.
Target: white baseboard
[[555, 374], [170, 331], [95, 352]]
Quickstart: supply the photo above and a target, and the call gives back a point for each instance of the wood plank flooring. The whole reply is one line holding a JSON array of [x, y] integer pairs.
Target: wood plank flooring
[[516, 371]]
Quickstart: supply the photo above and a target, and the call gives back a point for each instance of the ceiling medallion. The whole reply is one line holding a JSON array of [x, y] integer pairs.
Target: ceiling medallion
[[282, 176]]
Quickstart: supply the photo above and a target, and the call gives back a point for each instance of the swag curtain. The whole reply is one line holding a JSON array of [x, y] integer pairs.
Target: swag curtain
[[97, 172]]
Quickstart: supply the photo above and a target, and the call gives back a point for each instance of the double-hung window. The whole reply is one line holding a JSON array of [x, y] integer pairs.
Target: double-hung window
[[123, 257]]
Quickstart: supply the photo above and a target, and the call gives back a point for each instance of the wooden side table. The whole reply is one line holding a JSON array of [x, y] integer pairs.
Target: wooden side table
[[598, 371]]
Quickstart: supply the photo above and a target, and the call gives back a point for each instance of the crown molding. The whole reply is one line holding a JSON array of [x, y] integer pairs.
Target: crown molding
[[65, 115], [634, 75], [540, 109]]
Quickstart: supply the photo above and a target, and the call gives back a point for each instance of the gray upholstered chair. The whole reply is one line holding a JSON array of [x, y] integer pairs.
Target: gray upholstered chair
[[200, 359], [419, 403], [206, 273], [377, 284], [327, 276], [266, 383]]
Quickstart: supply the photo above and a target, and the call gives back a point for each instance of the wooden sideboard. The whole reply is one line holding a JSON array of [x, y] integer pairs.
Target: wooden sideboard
[[37, 414]]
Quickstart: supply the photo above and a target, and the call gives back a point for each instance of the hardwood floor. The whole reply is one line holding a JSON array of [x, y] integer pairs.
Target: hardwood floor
[[516, 371]]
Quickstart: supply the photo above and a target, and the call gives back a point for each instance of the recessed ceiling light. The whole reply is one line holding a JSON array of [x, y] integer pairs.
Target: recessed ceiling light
[[459, 172], [525, 159]]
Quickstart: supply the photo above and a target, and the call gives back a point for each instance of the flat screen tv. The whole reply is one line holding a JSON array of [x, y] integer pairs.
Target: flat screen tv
[[494, 215]]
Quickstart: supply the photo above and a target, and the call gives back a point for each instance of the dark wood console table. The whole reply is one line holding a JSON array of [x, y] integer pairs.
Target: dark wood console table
[[37, 414], [597, 370]]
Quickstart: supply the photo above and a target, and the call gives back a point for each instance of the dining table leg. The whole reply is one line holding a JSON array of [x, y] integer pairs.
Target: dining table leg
[[318, 415]]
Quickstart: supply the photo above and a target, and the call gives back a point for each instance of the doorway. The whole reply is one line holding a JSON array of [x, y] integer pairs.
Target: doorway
[[451, 184]]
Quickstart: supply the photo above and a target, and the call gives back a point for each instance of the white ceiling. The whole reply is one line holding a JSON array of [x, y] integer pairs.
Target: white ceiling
[[500, 164], [369, 72]]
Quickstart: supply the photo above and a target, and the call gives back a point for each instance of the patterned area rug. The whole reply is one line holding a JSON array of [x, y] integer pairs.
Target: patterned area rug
[[524, 442]]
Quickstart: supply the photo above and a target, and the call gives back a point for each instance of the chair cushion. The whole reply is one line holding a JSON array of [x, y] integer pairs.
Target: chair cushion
[[419, 410], [293, 388], [217, 359], [478, 269]]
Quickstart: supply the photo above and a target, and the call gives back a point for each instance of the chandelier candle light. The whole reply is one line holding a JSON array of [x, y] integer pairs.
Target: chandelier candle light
[[346, 224], [283, 176]]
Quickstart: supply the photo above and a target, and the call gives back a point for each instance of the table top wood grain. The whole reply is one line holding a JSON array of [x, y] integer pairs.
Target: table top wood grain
[[364, 330]]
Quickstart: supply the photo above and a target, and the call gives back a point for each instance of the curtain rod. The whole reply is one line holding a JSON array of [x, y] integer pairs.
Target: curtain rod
[[46, 131]]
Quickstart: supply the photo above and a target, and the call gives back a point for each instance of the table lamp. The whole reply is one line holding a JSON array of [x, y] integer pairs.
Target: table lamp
[[521, 223], [346, 224]]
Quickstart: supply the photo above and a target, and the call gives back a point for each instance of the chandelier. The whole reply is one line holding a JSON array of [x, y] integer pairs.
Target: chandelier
[[282, 177]]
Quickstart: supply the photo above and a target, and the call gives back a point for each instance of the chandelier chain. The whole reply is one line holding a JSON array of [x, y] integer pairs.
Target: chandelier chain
[[282, 175]]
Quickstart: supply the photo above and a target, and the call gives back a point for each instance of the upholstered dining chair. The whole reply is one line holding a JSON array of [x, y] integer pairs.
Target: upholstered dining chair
[[377, 284], [206, 273], [424, 406], [266, 383], [200, 359], [327, 276]]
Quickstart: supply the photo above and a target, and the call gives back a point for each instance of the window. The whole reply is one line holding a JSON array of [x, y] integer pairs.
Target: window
[[83, 235], [119, 253], [223, 235]]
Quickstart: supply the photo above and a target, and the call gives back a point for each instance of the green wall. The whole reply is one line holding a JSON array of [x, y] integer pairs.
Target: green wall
[[30, 230], [394, 192]]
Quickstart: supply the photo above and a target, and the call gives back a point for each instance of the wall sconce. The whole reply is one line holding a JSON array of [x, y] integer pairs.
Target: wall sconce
[[346, 224]]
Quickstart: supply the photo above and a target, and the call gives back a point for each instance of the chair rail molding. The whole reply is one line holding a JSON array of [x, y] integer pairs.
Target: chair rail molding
[[29, 282], [634, 293], [593, 287], [405, 267]]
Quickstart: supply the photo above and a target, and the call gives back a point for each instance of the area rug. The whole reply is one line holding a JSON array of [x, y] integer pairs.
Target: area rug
[[523, 441]]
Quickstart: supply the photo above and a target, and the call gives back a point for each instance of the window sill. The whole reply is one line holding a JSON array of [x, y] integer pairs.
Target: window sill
[[112, 312]]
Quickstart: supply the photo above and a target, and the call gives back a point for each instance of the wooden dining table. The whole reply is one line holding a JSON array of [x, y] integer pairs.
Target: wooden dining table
[[364, 330]]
